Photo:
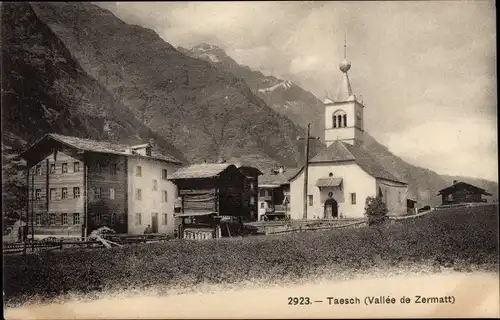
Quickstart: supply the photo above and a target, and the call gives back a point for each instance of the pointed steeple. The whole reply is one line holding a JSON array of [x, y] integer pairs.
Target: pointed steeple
[[344, 91]]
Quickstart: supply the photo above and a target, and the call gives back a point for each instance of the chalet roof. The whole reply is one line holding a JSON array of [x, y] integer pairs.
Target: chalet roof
[[460, 186], [197, 171], [328, 182], [240, 165], [101, 147], [278, 179], [340, 151]]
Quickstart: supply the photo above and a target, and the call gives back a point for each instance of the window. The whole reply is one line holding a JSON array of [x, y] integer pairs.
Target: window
[[155, 185], [251, 185], [252, 200], [138, 194], [113, 168], [353, 198], [165, 219], [64, 193], [165, 196], [262, 193], [52, 194], [138, 171], [97, 218], [64, 218], [112, 193], [76, 167], [339, 119], [97, 193], [310, 200], [76, 218], [76, 192], [52, 168], [113, 218], [38, 220], [138, 219], [38, 170], [52, 219], [164, 174], [64, 168], [262, 205], [38, 194], [98, 166]]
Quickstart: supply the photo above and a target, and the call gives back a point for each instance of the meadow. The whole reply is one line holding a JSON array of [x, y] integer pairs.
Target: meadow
[[462, 239]]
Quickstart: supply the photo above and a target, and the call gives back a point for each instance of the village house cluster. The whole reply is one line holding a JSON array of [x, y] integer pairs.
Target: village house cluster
[[77, 185]]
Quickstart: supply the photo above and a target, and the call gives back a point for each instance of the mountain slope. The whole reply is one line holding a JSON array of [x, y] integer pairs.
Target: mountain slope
[[45, 90], [283, 96], [206, 112], [424, 184]]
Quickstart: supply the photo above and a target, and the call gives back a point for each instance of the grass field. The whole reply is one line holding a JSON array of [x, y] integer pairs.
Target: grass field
[[462, 239]]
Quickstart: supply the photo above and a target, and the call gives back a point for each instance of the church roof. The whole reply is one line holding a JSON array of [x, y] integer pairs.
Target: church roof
[[340, 151], [344, 91]]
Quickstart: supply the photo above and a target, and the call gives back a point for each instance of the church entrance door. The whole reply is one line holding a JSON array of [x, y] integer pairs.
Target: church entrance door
[[331, 208]]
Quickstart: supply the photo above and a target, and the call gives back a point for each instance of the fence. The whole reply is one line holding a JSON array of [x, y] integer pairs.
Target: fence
[[47, 245]]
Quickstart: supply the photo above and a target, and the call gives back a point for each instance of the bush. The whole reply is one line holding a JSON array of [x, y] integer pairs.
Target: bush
[[375, 210]]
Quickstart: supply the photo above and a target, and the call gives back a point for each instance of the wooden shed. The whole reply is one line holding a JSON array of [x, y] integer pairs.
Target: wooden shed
[[209, 193], [462, 192]]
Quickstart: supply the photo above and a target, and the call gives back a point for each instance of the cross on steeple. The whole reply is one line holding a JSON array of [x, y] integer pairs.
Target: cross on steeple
[[345, 46]]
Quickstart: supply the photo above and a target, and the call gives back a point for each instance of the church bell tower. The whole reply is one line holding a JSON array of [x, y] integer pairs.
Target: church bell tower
[[344, 115]]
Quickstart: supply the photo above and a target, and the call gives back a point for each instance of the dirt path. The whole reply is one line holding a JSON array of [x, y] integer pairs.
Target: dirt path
[[473, 294]]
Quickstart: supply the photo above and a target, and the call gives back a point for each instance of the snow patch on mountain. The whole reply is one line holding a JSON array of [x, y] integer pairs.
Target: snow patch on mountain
[[286, 84]]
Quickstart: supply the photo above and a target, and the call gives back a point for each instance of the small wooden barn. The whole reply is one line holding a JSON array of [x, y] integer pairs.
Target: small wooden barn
[[209, 193], [462, 192]]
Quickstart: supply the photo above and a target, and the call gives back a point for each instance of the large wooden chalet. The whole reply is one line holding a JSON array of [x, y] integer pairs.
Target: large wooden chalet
[[77, 185], [462, 192]]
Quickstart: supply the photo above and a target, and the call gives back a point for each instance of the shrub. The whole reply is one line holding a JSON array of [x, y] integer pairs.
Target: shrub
[[375, 210]]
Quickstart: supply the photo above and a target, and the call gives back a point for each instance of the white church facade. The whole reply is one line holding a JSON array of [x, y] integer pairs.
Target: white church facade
[[343, 175]]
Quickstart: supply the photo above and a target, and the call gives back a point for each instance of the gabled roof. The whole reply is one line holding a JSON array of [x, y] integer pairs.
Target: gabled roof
[[198, 171], [99, 147], [340, 151], [242, 166], [462, 185], [278, 179]]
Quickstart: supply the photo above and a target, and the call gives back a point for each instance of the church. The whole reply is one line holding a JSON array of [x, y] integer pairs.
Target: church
[[343, 175]]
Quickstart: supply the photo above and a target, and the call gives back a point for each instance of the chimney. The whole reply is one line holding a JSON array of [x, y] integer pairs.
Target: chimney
[[455, 181], [281, 169]]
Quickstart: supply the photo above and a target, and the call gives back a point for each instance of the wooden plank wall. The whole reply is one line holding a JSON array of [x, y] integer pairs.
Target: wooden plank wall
[[101, 175]]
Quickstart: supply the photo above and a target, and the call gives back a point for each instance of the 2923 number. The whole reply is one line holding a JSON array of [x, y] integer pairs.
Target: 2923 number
[[299, 301]]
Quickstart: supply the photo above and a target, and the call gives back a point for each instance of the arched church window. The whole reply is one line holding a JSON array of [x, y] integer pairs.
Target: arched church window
[[339, 119]]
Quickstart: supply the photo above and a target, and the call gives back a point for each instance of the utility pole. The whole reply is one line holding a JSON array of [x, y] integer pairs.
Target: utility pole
[[306, 165]]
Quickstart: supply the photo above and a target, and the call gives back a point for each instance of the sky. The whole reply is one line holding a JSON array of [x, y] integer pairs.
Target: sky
[[426, 70]]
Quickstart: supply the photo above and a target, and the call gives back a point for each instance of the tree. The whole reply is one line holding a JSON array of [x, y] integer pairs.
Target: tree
[[375, 210]]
